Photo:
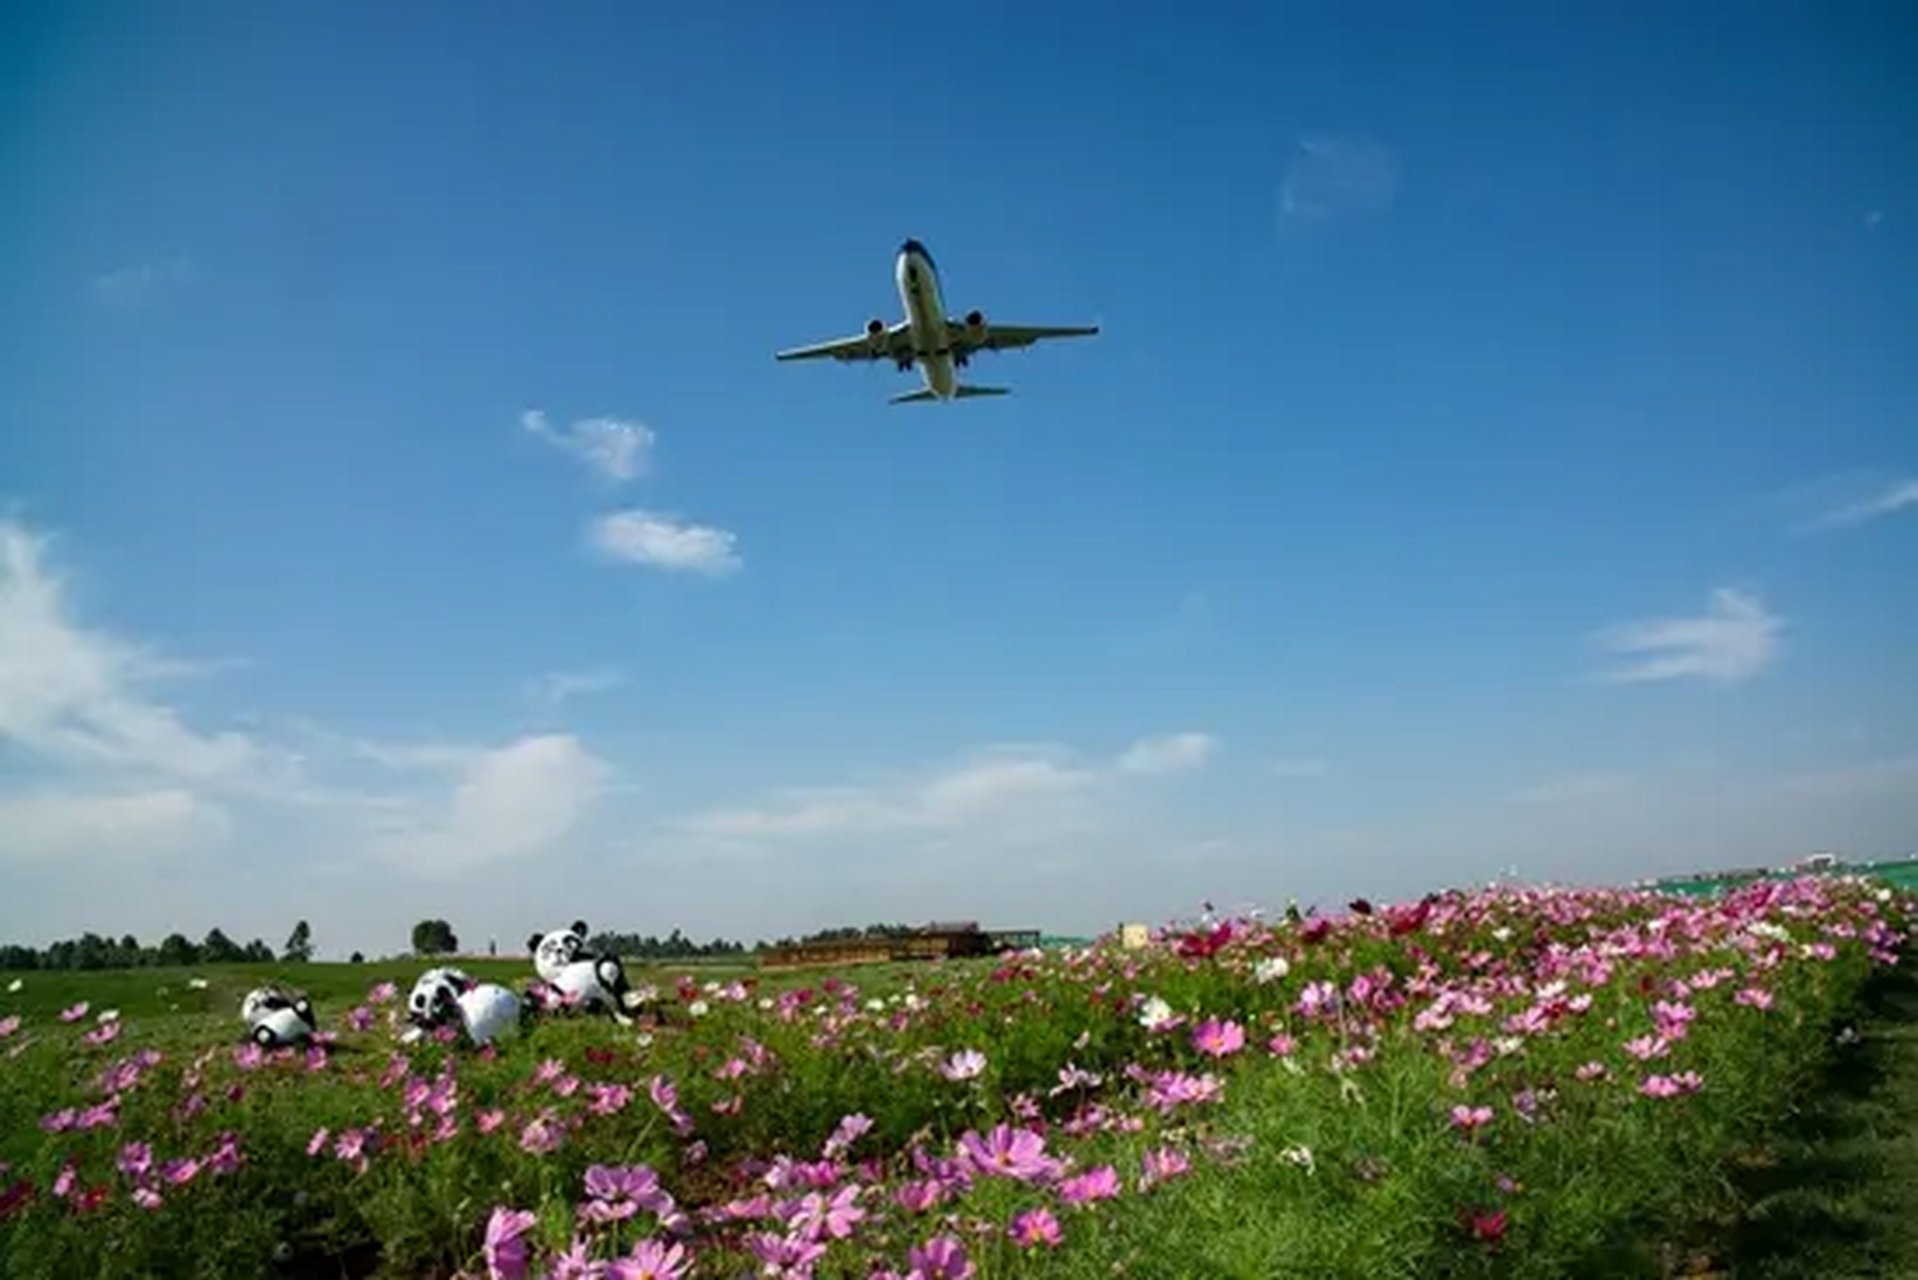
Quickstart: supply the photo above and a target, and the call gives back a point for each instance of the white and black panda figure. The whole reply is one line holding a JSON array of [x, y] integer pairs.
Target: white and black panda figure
[[277, 1018], [586, 979], [449, 997]]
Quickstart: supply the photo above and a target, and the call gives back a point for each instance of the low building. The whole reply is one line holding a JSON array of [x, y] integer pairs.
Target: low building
[[941, 940]]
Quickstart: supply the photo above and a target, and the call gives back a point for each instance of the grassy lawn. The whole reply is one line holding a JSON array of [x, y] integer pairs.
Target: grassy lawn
[[1838, 1195], [1511, 1083]]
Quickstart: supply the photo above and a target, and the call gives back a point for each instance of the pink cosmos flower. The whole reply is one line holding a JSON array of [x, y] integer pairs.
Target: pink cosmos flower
[[963, 1065], [507, 1254], [942, 1258], [1009, 1153], [1671, 1086], [850, 1130], [1034, 1226], [1645, 1048], [542, 1135], [783, 1255], [817, 1216], [1754, 997], [919, 1196], [1162, 1164], [650, 1260], [1470, 1118], [74, 1013], [1218, 1039], [1101, 1183]]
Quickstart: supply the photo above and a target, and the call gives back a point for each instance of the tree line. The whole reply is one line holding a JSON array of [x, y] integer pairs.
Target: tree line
[[176, 950], [429, 938]]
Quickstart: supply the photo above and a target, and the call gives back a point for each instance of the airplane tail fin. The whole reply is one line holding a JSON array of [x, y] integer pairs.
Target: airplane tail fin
[[961, 392]]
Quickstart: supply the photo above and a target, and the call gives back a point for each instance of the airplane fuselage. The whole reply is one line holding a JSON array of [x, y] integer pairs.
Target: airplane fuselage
[[925, 311]]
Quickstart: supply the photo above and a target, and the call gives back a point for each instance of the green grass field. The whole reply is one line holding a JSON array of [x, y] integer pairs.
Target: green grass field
[[1510, 1083]]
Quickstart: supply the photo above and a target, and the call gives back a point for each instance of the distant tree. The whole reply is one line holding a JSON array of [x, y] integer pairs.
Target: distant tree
[[299, 945], [177, 952], [356, 958], [220, 949], [434, 937], [257, 952]]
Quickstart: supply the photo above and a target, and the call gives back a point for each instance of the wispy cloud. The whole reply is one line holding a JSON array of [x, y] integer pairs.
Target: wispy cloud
[[617, 449], [1886, 498], [1735, 639], [1173, 753], [82, 697], [130, 286], [1872, 218], [1010, 789], [1335, 176], [508, 802], [556, 687], [51, 824], [662, 541], [121, 770]]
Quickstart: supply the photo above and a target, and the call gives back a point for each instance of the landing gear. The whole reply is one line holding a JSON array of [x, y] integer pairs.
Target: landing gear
[[905, 364]]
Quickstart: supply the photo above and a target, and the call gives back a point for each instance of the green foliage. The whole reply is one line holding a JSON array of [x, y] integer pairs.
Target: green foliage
[[1322, 1133], [433, 938]]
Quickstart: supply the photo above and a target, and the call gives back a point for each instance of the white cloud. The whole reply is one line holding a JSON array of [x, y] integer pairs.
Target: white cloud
[[557, 686], [129, 286], [619, 450], [78, 696], [1003, 783], [1336, 176], [1171, 754], [1732, 642], [1889, 499], [49, 824], [130, 775], [666, 542], [1872, 218], [508, 802], [1008, 788]]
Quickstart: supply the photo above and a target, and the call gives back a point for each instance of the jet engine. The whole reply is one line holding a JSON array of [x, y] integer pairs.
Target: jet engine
[[876, 334], [976, 326]]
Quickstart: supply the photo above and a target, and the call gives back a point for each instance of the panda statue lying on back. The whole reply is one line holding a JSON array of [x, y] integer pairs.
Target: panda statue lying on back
[[449, 997], [277, 1018], [585, 979]]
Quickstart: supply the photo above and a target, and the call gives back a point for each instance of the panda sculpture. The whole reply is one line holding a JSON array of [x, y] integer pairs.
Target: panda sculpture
[[449, 997], [277, 1018], [590, 981]]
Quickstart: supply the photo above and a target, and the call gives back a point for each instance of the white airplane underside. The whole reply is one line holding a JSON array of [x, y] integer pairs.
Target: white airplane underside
[[939, 345]]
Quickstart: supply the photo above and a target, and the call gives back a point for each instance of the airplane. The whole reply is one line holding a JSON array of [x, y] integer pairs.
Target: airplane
[[927, 337]]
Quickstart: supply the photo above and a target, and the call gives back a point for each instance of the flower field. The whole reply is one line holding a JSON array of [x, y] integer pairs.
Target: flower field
[[1514, 1082]]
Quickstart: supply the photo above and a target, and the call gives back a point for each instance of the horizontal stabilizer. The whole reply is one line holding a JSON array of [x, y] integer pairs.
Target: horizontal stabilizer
[[958, 393]]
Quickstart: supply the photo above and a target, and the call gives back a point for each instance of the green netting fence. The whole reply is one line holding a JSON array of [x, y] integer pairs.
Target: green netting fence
[[1902, 874]]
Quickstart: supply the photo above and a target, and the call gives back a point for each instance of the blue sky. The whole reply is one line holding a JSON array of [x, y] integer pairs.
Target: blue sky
[[406, 515]]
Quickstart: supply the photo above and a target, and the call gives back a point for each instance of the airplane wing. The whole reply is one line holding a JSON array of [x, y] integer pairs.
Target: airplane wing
[[889, 344], [1004, 337]]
